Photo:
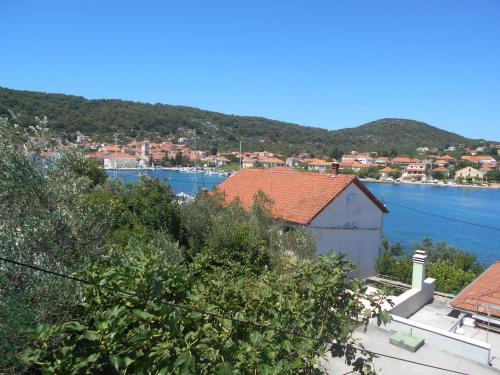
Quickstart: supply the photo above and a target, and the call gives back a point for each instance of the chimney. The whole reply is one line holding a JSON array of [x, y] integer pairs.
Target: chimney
[[418, 276]]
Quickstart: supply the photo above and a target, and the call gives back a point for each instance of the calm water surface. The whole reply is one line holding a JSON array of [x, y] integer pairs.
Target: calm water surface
[[481, 206]]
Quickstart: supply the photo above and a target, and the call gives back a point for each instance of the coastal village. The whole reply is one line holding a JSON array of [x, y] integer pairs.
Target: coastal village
[[261, 188], [454, 165], [329, 200]]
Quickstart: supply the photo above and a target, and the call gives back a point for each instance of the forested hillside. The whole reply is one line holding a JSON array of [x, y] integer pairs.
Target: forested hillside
[[102, 119]]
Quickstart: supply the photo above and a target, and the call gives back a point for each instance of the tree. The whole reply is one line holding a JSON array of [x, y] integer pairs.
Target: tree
[[493, 176], [47, 220], [151, 335], [452, 268], [234, 272]]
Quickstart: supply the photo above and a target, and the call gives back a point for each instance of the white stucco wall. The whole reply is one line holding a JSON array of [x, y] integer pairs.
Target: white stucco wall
[[351, 224]]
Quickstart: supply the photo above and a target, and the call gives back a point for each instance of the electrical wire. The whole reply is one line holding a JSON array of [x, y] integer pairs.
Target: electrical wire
[[443, 217], [218, 316]]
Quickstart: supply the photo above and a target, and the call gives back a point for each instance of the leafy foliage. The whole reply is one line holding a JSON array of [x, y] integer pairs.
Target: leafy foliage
[[216, 260], [46, 220], [452, 268], [118, 333]]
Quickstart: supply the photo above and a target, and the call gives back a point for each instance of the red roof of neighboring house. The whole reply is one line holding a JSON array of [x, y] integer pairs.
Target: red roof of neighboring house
[[112, 148], [401, 160], [158, 155], [298, 197], [224, 159], [387, 170], [96, 155], [485, 290], [119, 155], [447, 158], [477, 158], [347, 163], [320, 163], [269, 159]]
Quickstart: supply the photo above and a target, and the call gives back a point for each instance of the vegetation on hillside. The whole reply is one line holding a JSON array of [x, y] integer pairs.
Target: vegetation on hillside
[[162, 275], [452, 268], [104, 119]]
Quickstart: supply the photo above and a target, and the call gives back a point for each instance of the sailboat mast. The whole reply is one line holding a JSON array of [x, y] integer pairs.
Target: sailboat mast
[[195, 164]]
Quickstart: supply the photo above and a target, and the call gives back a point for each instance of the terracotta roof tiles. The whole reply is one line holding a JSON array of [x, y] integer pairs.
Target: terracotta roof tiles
[[298, 197], [485, 290]]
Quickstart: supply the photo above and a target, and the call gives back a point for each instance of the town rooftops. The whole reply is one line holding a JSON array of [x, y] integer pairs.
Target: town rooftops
[[119, 155], [483, 291], [387, 170], [447, 158], [320, 162], [401, 160], [298, 196], [270, 159]]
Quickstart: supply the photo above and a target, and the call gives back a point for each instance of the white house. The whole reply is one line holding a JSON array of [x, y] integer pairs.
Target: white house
[[340, 212], [119, 160]]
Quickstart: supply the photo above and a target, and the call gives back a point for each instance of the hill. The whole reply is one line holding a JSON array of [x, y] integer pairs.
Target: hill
[[101, 119]]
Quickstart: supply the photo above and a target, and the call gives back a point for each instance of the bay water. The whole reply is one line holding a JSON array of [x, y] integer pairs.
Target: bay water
[[414, 210]]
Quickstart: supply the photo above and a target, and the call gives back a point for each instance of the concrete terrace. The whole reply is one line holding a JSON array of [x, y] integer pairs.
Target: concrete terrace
[[436, 314], [377, 339]]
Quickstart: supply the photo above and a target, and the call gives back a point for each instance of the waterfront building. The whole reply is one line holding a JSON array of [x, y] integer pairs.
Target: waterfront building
[[416, 170], [342, 215], [118, 160], [249, 163], [270, 162], [443, 170], [385, 172], [319, 165], [469, 174]]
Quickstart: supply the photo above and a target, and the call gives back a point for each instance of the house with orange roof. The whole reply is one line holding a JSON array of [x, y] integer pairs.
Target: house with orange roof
[[249, 163], [269, 161], [416, 170], [448, 158], [481, 297], [443, 170], [221, 161], [386, 172], [112, 148], [401, 160], [341, 214], [158, 156], [382, 160], [319, 165], [120, 160]]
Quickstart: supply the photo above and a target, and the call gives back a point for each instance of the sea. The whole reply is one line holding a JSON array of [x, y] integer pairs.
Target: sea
[[467, 218]]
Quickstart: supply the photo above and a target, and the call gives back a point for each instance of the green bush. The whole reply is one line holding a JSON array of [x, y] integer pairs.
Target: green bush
[[452, 268]]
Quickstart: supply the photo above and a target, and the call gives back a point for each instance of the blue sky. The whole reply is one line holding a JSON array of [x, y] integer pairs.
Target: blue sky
[[331, 64]]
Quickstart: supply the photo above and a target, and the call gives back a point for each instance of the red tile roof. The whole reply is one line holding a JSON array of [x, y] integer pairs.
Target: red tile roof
[[447, 157], [387, 170], [485, 290], [119, 155], [269, 159], [298, 197], [401, 160], [320, 163]]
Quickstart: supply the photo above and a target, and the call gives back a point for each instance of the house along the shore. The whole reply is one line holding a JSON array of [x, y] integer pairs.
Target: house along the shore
[[339, 211]]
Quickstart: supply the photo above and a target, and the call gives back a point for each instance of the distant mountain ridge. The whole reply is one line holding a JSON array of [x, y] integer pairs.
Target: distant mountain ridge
[[103, 118]]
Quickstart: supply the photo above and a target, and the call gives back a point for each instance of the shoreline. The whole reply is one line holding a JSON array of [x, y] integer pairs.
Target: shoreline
[[493, 186]]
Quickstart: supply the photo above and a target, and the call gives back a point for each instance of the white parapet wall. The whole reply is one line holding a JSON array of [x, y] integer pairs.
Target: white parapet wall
[[413, 300], [465, 347]]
